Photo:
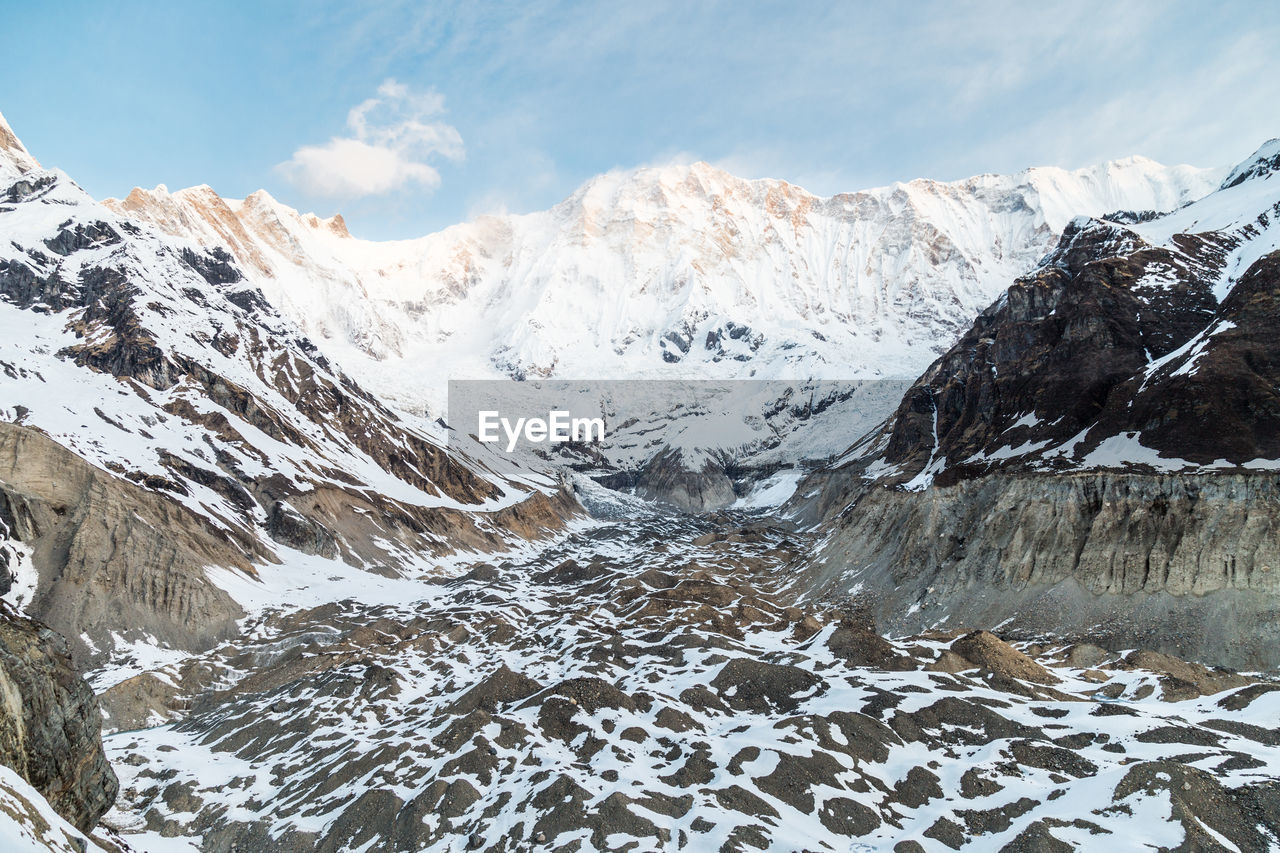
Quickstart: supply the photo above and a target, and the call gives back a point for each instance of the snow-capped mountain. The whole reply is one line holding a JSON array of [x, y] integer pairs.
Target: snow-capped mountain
[[159, 419], [1143, 345], [1098, 453], [290, 662], [670, 272], [15, 159]]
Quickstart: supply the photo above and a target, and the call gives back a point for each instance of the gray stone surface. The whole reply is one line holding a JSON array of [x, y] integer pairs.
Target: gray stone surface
[[50, 728]]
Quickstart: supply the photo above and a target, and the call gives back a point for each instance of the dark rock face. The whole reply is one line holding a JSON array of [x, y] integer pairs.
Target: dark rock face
[[8, 561], [81, 236], [215, 266], [289, 527], [750, 685], [25, 188], [1221, 400], [1071, 345], [49, 722], [665, 478], [128, 349]]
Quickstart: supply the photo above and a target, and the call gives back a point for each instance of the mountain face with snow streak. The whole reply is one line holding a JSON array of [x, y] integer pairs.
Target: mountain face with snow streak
[[1141, 346], [1098, 453], [15, 159], [671, 272]]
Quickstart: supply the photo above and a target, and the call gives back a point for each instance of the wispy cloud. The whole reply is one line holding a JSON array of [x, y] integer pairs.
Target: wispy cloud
[[394, 136], [831, 96]]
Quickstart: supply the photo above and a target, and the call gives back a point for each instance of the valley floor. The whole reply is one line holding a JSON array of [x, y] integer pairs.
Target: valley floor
[[653, 684]]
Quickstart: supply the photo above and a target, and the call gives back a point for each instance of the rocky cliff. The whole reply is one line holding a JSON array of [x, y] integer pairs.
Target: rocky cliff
[[49, 723], [1145, 346], [1189, 564], [113, 559]]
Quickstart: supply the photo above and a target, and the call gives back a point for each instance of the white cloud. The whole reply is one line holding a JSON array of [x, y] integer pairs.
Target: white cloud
[[393, 136]]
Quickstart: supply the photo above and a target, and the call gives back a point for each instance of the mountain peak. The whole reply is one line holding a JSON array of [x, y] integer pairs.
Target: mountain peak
[[15, 159], [261, 198], [1133, 160], [336, 224], [197, 191], [1263, 162], [654, 182]]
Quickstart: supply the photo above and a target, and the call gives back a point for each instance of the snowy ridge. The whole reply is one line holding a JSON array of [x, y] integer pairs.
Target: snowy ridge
[[186, 317], [28, 824], [665, 272], [1264, 161], [1243, 210]]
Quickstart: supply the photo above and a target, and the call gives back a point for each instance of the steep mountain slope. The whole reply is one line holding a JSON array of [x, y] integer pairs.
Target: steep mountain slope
[[671, 272], [55, 782], [28, 824], [1100, 447], [187, 424]]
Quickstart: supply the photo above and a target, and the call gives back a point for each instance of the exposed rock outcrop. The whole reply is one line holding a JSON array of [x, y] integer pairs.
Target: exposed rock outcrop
[[1186, 565], [665, 478], [111, 555], [992, 653], [49, 723], [1098, 349]]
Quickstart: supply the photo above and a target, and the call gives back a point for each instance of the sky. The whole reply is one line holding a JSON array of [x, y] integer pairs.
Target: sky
[[409, 117]]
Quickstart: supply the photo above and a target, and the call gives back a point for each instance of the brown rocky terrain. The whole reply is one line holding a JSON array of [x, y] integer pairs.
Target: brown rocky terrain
[[1186, 564], [111, 555]]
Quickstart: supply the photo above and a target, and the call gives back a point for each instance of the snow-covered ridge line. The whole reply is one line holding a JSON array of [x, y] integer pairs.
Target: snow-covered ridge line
[[665, 272], [1164, 323]]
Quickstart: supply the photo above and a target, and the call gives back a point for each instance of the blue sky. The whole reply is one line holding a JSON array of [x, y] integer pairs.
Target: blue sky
[[407, 117]]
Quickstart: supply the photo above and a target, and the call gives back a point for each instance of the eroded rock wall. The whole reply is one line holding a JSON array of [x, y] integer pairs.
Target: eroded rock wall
[[1185, 564], [50, 725], [112, 556]]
